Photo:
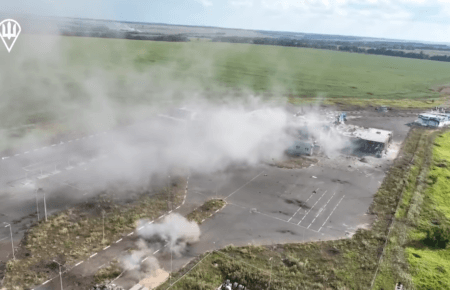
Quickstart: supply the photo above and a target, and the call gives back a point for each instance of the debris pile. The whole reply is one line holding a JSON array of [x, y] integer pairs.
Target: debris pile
[[227, 285], [107, 287]]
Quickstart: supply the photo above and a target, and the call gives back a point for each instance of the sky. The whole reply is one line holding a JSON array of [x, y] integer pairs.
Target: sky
[[424, 20]]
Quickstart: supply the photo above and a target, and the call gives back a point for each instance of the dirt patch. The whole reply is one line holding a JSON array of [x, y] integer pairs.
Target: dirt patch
[[287, 232], [155, 280], [340, 181], [332, 252], [297, 202]]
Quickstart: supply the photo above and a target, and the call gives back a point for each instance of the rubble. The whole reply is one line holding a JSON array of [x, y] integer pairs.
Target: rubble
[[107, 287], [227, 285]]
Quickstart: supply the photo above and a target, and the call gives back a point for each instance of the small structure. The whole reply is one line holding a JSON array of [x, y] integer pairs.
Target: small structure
[[301, 148], [367, 140], [341, 118], [433, 119], [382, 109]]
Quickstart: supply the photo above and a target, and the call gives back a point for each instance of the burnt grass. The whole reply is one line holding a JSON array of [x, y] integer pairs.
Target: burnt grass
[[340, 264], [74, 234]]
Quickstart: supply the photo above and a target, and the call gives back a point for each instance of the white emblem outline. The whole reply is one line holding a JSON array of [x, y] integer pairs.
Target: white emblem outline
[[9, 33]]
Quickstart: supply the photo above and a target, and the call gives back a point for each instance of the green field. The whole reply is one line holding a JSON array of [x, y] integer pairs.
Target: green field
[[206, 65]]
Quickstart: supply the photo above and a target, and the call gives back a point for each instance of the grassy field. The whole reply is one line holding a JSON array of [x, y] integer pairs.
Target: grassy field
[[206, 210], [78, 232], [204, 65], [342, 264]]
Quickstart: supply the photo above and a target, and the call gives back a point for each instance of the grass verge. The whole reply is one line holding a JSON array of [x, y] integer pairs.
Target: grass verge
[[341, 264], [418, 255], [74, 234], [206, 210]]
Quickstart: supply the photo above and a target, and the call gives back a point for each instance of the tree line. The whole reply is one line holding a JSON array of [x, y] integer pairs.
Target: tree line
[[331, 46]]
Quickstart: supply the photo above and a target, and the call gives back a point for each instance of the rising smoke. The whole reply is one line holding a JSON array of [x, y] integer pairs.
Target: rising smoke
[[174, 234]]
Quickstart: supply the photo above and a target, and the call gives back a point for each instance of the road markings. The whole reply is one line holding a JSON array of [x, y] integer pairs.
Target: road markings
[[243, 185], [321, 209], [169, 211], [130, 234], [155, 252], [46, 282], [177, 207], [331, 212], [144, 259], [93, 255], [118, 241], [53, 145], [78, 263], [150, 222], [106, 248], [312, 207], [140, 228], [26, 152], [301, 207]]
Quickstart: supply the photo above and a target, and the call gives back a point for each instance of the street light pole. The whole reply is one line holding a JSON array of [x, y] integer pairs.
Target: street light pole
[[103, 215], [270, 277], [12, 243], [45, 206], [171, 205], [37, 204], [60, 276]]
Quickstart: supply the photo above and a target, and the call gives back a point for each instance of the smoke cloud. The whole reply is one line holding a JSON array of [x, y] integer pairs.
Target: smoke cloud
[[175, 230]]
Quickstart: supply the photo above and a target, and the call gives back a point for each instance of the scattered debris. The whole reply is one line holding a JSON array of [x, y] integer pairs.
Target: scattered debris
[[107, 287]]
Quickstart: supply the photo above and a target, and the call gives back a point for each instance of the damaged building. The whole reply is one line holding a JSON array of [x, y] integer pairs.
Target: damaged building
[[354, 140], [433, 119], [366, 141]]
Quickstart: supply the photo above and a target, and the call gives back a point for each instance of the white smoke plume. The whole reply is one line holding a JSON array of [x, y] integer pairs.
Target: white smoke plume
[[320, 127], [175, 230], [140, 263]]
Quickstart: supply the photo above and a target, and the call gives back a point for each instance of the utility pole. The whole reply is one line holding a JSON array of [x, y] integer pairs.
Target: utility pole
[[45, 205], [270, 277], [60, 276], [37, 204], [103, 215], [12, 243], [169, 199]]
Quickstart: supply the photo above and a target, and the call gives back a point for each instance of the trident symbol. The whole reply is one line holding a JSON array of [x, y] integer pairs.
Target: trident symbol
[[10, 29], [9, 34]]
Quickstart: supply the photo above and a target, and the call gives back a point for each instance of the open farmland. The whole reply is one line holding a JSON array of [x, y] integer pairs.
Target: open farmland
[[300, 71]]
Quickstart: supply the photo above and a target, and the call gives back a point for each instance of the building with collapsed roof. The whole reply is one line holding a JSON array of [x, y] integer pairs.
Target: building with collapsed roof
[[366, 140]]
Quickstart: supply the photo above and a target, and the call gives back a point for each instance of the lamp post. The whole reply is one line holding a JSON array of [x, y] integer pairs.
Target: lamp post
[[12, 243], [45, 205], [37, 204], [270, 277], [60, 275], [103, 216], [171, 206]]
